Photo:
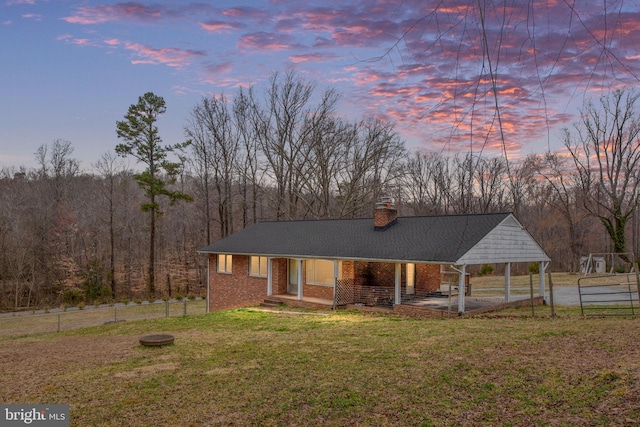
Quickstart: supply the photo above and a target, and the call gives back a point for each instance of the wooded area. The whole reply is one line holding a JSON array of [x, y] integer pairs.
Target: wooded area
[[69, 235]]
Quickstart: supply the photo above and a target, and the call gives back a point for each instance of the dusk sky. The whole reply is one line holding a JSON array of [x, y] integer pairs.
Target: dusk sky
[[438, 68]]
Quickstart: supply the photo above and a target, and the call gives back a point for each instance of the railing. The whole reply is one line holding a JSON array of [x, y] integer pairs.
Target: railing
[[56, 320]]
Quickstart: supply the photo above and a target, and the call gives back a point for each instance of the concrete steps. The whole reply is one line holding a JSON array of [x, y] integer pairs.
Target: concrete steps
[[271, 302]]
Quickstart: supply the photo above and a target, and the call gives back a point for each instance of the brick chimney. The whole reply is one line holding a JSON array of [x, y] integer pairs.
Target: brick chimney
[[385, 214]]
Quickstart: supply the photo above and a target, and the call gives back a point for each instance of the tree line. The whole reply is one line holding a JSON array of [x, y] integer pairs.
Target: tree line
[[278, 153]]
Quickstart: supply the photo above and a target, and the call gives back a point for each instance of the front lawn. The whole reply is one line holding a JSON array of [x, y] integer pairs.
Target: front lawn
[[245, 367]]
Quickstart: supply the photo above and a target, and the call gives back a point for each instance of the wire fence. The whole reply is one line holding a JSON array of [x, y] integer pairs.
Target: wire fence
[[17, 324]]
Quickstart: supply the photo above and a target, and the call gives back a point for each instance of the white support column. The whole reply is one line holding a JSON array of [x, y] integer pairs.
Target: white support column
[[208, 281], [542, 267], [507, 282], [299, 280], [461, 288], [269, 277], [336, 274], [398, 295]]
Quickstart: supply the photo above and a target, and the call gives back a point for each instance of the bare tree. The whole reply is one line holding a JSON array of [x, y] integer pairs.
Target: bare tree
[[563, 184], [110, 167], [425, 181], [373, 164], [606, 155]]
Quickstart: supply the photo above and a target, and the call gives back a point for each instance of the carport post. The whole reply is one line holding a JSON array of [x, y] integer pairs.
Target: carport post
[[461, 290], [507, 282], [398, 295], [542, 266]]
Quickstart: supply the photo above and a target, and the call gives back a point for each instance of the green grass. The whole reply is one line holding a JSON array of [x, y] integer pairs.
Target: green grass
[[248, 367]]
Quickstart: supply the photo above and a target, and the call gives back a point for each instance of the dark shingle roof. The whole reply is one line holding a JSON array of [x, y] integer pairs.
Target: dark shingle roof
[[438, 239]]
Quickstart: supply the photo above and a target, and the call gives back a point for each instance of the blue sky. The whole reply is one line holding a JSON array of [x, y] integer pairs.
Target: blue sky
[[70, 69]]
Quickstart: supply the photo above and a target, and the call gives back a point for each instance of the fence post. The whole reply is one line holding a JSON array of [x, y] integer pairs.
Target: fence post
[[58, 322], [184, 312], [115, 313], [166, 308]]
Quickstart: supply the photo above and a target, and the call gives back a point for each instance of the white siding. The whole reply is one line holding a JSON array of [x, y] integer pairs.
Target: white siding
[[508, 242]]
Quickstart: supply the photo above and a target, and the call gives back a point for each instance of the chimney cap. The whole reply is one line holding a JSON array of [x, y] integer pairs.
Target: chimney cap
[[385, 202]]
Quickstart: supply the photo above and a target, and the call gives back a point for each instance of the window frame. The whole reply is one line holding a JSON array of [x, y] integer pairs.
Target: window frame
[[260, 266], [310, 265], [228, 264]]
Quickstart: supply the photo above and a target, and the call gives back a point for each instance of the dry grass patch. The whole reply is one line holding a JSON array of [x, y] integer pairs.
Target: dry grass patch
[[254, 368]]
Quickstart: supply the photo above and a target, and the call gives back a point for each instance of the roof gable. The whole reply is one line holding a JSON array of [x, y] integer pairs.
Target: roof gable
[[508, 242]]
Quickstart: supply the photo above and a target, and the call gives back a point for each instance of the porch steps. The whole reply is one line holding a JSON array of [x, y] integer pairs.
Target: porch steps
[[271, 302]]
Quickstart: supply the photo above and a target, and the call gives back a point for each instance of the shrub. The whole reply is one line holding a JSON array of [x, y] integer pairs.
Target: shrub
[[534, 268], [72, 296], [486, 269]]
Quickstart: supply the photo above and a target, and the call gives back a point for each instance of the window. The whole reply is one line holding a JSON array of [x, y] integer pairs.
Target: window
[[321, 271], [224, 263], [258, 266]]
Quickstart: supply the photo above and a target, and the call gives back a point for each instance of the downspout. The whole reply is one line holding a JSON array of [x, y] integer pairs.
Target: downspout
[[542, 267]]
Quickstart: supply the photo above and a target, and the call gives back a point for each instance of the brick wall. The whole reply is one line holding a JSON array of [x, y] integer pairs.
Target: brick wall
[[427, 277], [317, 291], [237, 289]]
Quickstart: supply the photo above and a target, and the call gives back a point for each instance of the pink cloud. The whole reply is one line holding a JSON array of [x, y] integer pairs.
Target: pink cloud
[[217, 26], [267, 41], [101, 14], [221, 68], [312, 57], [171, 57], [34, 16]]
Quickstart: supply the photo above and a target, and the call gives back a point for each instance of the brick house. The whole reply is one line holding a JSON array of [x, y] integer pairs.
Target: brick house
[[383, 261]]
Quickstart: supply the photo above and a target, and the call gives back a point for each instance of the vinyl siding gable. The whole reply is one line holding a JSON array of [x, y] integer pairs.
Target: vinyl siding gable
[[508, 242]]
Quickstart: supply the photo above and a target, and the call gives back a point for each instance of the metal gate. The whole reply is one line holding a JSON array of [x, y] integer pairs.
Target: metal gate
[[609, 295]]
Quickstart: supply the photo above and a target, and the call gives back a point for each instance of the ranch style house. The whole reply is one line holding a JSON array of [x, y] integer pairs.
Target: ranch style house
[[384, 261]]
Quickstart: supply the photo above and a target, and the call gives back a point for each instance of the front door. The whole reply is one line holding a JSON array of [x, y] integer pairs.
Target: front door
[[292, 287]]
